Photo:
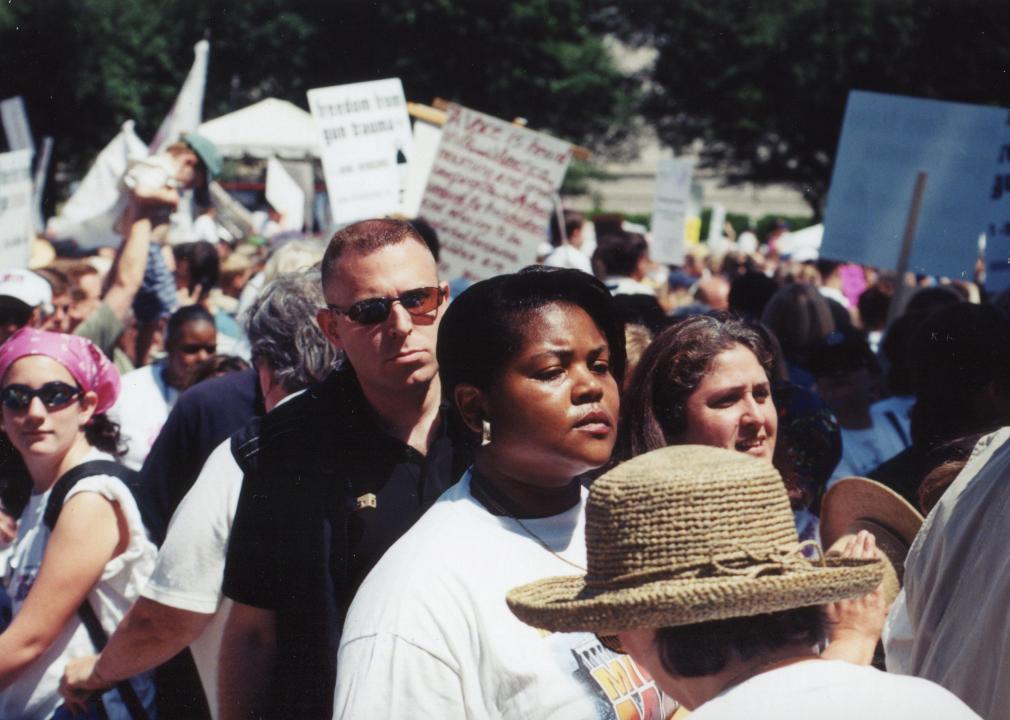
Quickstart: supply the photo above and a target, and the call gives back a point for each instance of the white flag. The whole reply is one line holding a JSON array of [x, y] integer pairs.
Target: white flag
[[90, 213], [187, 112], [285, 196]]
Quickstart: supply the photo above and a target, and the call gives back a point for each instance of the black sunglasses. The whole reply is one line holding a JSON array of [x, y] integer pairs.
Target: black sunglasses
[[375, 310], [52, 394]]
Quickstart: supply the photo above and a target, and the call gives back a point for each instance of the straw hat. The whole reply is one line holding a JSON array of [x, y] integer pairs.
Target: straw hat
[[855, 503], [683, 535]]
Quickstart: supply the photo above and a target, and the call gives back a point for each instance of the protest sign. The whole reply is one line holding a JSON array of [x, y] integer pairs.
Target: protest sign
[[886, 141], [490, 193], [366, 143], [997, 230], [716, 222], [15, 122], [187, 111], [669, 215], [285, 196], [426, 139], [15, 208]]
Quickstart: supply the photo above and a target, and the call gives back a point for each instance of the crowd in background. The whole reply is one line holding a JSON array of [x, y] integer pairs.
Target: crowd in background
[[178, 347]]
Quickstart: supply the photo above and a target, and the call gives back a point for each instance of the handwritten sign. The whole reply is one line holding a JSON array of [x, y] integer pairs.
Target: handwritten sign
[[15, 208], [669, 214], [997, 231], [15, 123], [490, 193], [885, 141], [366, 143]]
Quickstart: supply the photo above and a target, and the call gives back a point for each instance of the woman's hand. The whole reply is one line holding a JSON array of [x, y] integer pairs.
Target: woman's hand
[[79, 681], [855, 625]]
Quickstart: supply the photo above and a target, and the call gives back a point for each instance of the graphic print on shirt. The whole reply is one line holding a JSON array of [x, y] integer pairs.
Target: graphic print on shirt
[[622, 689], [23, 581]]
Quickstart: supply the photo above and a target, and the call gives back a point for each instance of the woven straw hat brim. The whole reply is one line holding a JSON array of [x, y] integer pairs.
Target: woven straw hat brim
[[857, 498], [566, 604]]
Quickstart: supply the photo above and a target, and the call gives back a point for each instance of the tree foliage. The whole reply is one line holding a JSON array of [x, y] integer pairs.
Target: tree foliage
[[85, 66], [763, 84]]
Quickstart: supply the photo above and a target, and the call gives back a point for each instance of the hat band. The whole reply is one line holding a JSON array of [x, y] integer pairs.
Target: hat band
[[739, 562]]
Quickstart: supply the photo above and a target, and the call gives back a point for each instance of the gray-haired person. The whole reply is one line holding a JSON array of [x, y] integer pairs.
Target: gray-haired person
[[182, 604]]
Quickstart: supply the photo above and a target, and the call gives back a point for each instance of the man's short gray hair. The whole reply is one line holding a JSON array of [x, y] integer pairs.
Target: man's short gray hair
[[282, 330]]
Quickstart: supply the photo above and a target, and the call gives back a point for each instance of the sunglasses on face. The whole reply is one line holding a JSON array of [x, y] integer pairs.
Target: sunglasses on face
[[196, 347], [372, 311], [52, 394]]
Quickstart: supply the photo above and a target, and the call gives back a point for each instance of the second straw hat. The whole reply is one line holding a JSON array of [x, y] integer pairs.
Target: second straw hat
[[683, 535]]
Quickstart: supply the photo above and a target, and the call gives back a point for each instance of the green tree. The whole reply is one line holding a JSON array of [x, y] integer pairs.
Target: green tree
[[85, 66], [763, 85]]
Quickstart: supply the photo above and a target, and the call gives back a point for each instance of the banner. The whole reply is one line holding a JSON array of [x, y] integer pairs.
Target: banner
[[15, 209], [366, 143], [886, 140], [490, 193], [90, 213], [285, 196], [187, 112], [15, 122], [669, 215]]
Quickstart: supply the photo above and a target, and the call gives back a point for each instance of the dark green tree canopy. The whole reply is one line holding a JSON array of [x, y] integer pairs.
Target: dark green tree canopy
[[764, 84], [85, 66]]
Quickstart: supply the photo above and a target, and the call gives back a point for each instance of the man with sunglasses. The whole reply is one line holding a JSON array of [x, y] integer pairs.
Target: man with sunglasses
[[334, 476]]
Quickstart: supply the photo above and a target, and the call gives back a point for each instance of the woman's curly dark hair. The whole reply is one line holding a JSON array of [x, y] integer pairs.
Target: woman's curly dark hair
[[103, 434]]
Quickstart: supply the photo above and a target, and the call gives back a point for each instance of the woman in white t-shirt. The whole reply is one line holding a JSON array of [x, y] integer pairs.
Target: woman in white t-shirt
[[54, 391], [532, 363]]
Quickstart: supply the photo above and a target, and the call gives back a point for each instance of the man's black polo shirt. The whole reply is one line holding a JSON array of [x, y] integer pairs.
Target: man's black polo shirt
[[325, 493]]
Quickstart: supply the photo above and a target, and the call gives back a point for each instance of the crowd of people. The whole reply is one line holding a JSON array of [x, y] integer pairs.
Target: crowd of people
[[301, 479]]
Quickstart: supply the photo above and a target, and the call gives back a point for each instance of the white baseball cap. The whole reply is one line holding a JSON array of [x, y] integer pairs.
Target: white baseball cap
[[26, 286]]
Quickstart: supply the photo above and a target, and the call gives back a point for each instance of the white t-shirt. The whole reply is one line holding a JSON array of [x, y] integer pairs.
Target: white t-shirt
[[833, 690], [34, 693], [570, 257], [142, 408], [429, 633], [190, 565]]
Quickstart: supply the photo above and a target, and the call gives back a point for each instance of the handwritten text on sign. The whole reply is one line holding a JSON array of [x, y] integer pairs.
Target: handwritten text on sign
[[997, 246], [366, 144], [15, 208], [490, 193]]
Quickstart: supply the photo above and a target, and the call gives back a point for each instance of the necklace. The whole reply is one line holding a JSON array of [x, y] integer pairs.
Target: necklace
[[489, 502]]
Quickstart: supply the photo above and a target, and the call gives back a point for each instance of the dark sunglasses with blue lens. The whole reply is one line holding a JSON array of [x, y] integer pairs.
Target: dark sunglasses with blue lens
[[372, 311], [52, 394]]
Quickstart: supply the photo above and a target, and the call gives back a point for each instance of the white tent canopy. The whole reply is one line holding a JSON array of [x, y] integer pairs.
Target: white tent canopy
[[269, 128]]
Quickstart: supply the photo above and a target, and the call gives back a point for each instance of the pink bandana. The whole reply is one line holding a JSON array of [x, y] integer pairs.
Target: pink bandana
[[89, 367]]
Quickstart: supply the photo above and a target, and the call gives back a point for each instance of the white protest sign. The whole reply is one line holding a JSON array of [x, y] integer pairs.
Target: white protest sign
[[716, 222], [886, 140], [15, 122], [285, 196], [366, 143], [187, 111], [15, 208], [426, 139], [673, 193], [490, 193]]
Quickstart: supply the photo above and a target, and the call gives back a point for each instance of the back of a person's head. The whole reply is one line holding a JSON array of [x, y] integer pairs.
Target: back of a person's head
[[799, 316], [293, 256], [618, 254], [960, 363], [203, 263], [928, 299], [873, 304], [283, 334], [573, 222], [750, 293]]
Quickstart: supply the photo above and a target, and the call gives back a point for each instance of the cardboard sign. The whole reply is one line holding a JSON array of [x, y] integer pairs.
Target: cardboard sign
[[669, 215], [15, 208], [366, 143], [885, 141], [490, 193], [285, 196], [426, 139]]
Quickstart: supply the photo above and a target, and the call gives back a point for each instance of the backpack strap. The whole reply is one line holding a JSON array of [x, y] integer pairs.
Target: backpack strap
[[85, 612]]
